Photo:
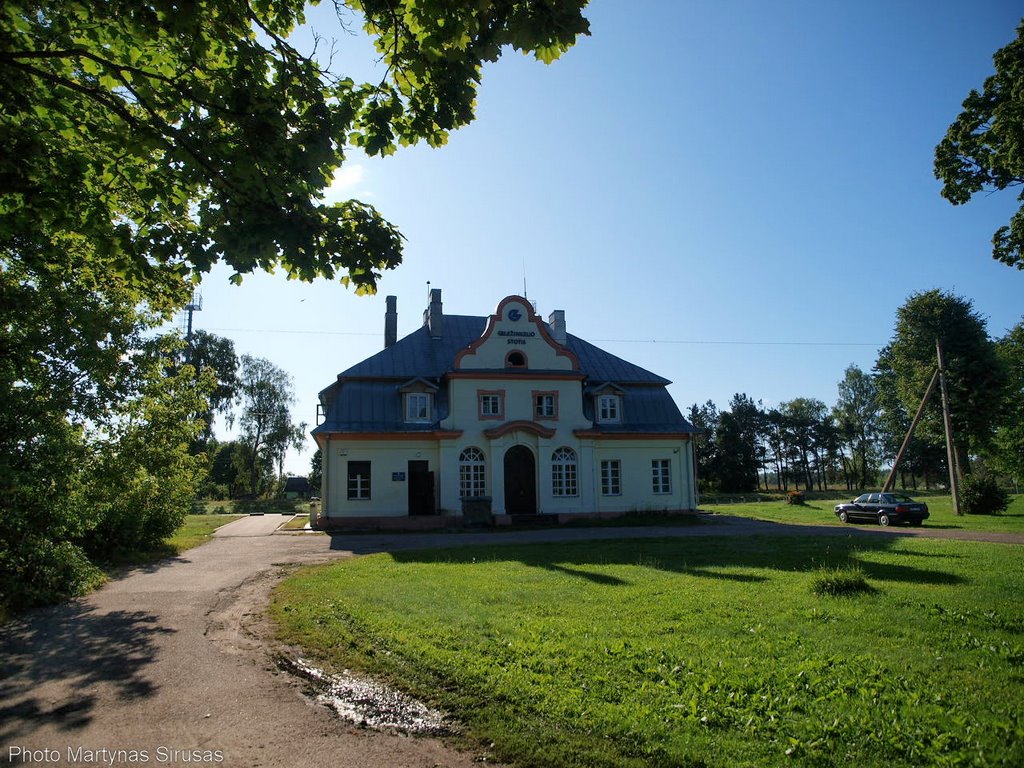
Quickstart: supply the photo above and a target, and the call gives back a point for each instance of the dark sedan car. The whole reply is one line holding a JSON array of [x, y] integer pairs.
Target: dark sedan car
[[884, 509]]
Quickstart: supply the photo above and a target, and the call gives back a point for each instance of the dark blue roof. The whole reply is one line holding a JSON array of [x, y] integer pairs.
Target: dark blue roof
[[370, 400], [419, 355]]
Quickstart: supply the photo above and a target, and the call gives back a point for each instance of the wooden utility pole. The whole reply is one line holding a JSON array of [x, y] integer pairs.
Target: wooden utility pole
[[910, 433], [938, 377], [947, 421]]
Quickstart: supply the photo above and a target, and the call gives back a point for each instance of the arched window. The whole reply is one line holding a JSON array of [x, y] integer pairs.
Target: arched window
[[563, 472], [515, 359], [471, 473]]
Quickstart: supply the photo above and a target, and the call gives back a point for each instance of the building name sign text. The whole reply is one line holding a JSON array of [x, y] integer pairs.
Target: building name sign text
[[518, 337]]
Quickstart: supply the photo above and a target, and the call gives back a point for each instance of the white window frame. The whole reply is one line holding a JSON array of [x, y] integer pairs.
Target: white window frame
[[472, 473], [661, 476], [545, 405], [609, 409], [611, 477], [564, 472], [358, 485], [417, 407], [496, 399]]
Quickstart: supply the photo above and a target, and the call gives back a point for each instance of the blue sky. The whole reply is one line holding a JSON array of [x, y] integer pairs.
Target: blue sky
[[735, 195]]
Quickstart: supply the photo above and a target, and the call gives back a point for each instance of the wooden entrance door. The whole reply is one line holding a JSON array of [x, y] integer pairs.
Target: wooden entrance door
[[421, 488], [520, 481]]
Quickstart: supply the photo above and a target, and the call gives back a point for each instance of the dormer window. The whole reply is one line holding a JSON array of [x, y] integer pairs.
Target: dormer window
[[609, 408], [417, 406], [418, 401]]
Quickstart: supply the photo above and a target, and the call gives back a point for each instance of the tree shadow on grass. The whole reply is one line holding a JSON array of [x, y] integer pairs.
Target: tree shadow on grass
[[732, 558], [74, 648]]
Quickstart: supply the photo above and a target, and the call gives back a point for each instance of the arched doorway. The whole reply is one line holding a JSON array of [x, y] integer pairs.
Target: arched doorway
[[520, 481]]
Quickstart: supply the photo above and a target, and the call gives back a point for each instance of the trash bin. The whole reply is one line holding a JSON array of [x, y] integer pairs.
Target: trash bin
[[476, 510]]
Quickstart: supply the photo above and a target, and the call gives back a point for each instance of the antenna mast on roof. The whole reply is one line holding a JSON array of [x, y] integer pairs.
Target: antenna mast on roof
[[525, 296]]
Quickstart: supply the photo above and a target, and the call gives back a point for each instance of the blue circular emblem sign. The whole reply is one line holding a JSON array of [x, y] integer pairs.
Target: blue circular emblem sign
[[515, 315]]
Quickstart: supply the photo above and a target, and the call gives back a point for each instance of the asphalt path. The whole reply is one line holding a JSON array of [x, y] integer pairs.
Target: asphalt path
[[173, 664]]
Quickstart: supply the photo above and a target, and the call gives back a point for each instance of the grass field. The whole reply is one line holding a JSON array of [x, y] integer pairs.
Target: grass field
[[820, 512], [297, 523], [194, 531], [691, 651]]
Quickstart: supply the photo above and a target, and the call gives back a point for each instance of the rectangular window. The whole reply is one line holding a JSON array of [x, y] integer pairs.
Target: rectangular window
[[611, 477], [471, 480], [563, 480], [608, 408], [661, 476], [417, 406], [491, 404], [545, 405], [563, 473], [359, 480]]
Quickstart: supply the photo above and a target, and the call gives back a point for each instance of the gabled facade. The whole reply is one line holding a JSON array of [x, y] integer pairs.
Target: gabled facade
[[506, 412]]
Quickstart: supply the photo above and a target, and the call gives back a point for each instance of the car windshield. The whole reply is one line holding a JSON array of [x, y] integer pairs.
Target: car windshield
[[894, 498]]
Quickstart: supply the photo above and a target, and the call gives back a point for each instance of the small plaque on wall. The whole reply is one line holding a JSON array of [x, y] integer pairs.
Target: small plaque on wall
[[398, 477]]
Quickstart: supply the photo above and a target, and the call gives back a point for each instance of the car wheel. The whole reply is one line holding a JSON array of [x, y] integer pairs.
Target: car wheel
[[883, 519], [843, 517]]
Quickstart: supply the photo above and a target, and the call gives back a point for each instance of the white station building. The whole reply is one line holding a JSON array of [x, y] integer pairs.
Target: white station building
[[486, 419]]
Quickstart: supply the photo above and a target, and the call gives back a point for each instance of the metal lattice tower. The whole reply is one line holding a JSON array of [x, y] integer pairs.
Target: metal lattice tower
[[194, 305]]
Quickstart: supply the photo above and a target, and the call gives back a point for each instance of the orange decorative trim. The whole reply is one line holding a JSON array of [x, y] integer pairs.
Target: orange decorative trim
[[526, 426], [532, 317]]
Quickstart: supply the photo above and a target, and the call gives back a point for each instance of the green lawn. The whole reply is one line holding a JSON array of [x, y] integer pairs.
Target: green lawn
[[196, 530], [820, 512], [692, 651], [297, 523]]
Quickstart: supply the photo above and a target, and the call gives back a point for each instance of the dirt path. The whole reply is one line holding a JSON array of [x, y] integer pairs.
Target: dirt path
[[172, 664]]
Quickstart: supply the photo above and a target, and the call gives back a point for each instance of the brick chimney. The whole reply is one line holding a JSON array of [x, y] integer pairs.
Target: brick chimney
[[433, 317], [390, 321], [556, 322]]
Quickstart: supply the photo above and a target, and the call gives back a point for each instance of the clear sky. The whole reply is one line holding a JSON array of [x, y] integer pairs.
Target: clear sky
[[735, 195]]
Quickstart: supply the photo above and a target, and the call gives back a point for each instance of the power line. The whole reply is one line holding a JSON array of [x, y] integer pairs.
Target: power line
[[298, 332], [720, 342], [744, 343]]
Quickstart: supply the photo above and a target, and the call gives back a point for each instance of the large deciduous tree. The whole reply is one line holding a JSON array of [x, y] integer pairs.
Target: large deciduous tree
[[170, 138], [857, 414], [974, 373], [1008, 444], [267, 431], [706, 419], [216, 353], [984, 147], [143, 142]]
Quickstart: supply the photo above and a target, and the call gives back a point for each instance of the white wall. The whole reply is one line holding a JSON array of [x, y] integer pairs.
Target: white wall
[[388, 497]]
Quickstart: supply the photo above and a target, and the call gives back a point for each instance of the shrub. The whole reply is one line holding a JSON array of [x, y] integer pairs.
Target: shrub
[[981, 495], [37, 571], [840, 582]]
